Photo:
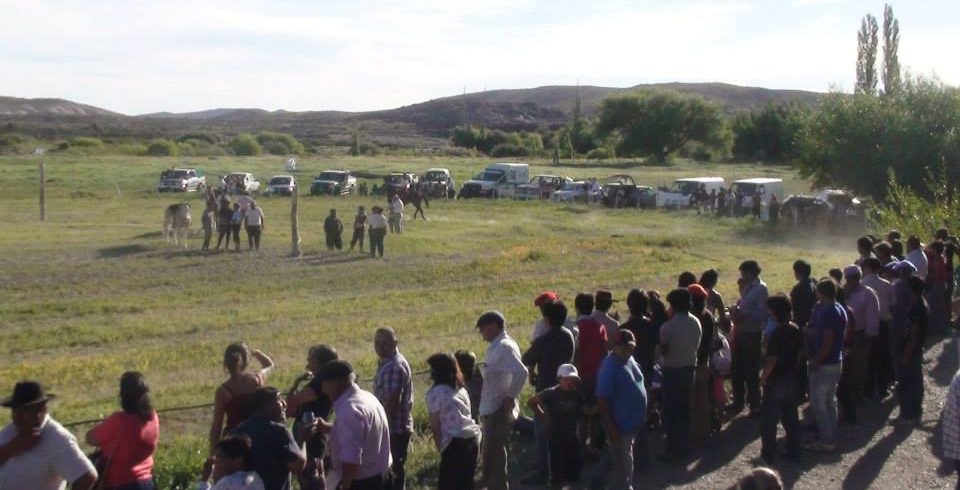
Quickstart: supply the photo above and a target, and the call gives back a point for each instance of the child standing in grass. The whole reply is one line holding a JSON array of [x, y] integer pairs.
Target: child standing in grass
[[561, 407]]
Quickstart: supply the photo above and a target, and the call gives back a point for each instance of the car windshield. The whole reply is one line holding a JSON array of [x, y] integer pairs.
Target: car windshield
[[435, 176], [490, 175], [334, 176], [573, 186], [684, 187], [280, 181], [179, 174]]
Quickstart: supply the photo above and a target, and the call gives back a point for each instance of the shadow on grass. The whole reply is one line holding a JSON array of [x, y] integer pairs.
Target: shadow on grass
[[610, 165], [121, 251], [575, 209], [149, 235]]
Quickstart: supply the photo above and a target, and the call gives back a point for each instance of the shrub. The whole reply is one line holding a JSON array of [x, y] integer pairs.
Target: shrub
[[279, 143], [162, 148], [245, 144], [509, 150], [85, 142], [200, 148], [207, 137], [601, 153]]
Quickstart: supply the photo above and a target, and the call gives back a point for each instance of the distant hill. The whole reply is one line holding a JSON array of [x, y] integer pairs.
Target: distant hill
[[13, 106], [423, 124]]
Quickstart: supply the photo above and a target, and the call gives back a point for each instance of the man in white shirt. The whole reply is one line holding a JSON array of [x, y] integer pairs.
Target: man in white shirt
[[503, 378], [254, 219], [856, 361], [396, 214], [916, 256], [880, 373], [36, 452], [378, 230]]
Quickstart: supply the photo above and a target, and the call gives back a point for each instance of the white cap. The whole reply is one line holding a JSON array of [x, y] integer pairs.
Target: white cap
[[567, 371]]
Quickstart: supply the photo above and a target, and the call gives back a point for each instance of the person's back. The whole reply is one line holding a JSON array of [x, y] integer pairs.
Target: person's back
[[803, 296], [591, 348], [128, 442], [682, 336], [548, 352], [273, 446], [332, 225], [360, 417]]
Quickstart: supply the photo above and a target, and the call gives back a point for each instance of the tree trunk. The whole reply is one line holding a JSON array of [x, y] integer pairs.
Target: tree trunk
[[295, 251]]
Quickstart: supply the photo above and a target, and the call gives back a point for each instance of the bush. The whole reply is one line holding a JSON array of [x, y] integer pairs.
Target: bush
[[601, 153], [245, 144], [162, 148], [279, 143], [200, 148], [906, 211], [206, 137], [85, 142]]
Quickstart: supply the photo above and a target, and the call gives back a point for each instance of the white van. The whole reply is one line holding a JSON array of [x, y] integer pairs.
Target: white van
[[764, 186], [678, 195], [497, 180]]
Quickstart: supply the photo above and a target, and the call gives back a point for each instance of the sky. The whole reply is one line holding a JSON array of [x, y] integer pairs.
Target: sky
[[138, 57]]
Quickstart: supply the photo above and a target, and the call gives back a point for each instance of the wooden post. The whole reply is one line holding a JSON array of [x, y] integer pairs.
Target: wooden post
[[296, 251], [43, 192]]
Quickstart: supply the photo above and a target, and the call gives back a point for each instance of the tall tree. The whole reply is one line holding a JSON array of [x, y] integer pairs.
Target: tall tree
[[660, 122], [891, 42], [867, 56]]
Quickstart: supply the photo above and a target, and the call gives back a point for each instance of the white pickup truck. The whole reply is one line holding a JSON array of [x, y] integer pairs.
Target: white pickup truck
[[182, 180], [237, 182]]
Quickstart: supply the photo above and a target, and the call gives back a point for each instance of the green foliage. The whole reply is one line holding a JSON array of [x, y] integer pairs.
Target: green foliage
[[206, 137], [245, 144], [867, 56], [660, 122], [15, 143], [279, 143], [891, 43], [85, 142], [502, 142], [855, 141], [580, 132], [163, 148], [911, 214], [769, 134], [200, 148], [601, 153], [181, 463]]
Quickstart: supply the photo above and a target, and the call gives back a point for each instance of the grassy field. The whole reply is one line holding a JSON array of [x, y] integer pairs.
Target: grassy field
[[94, 291]]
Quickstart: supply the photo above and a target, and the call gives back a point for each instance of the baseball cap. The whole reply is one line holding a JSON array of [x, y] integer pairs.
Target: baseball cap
[[545, 297], [567, 371], [697, 291]]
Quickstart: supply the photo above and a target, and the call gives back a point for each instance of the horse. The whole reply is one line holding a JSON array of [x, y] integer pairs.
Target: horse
[[176, 223]]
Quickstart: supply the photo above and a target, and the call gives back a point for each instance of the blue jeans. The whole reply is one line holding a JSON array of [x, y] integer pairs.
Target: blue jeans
[[823, 400], [780, 400]]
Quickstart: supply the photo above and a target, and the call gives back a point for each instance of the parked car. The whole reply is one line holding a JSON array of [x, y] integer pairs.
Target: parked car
[[437, 182], [182, 180], [542, 186], [281, 185], [240, 182], [678, 195], [623, 195], [497, 180], [333, 183], [573, 192], [400, 182]]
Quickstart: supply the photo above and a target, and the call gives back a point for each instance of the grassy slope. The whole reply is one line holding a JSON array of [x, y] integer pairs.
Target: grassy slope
[[94, 291]]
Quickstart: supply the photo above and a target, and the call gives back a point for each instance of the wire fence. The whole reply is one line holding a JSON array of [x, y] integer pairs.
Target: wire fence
[[185, 408]]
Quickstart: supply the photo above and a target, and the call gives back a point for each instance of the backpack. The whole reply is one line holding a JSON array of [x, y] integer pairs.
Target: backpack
[[720, 356]]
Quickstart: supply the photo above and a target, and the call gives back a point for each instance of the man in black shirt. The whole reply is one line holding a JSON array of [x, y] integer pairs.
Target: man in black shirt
[[545, 355], [910, 360], [802, 298], [644, 331], [779, 380], [333, 229]]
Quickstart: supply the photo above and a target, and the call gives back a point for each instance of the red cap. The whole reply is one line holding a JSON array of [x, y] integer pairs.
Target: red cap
[[544, 297], [697, 291]]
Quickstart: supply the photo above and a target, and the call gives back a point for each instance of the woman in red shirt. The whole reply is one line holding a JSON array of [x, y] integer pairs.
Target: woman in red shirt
[[128, 438]]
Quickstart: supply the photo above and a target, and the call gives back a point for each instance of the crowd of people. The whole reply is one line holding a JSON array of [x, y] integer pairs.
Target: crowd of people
[[601, 385], [225, 218]]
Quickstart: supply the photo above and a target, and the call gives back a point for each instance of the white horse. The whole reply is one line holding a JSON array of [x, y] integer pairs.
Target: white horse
[[291, 165], [176, 223]]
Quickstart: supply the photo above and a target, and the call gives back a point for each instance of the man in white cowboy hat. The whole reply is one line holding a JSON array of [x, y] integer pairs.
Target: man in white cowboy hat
[[36, 452]]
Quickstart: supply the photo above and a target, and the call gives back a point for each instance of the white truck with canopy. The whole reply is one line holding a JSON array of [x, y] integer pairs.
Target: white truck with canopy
[[497, 180], [679, 194]]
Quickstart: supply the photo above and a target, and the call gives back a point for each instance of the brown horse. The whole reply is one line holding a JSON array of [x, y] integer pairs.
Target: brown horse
[[176, 223]]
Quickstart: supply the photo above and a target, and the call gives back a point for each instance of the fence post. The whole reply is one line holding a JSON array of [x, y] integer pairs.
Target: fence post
[[43, 192], [295, 251]]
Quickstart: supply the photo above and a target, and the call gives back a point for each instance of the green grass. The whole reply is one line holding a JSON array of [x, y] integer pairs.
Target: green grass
[[94, 291]]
